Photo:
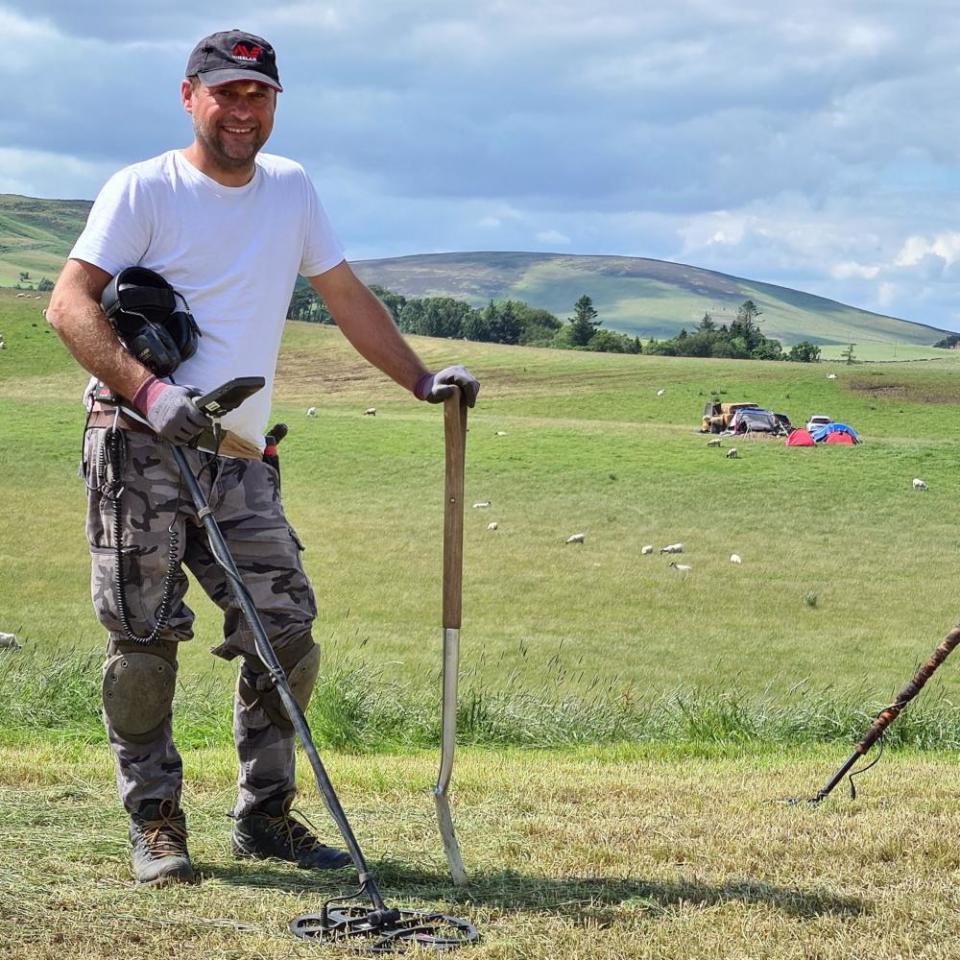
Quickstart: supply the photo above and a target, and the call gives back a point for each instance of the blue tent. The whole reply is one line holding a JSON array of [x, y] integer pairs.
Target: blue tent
[[822, 433]]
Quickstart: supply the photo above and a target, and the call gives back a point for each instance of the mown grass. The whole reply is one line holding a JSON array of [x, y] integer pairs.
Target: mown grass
[[596, 854]]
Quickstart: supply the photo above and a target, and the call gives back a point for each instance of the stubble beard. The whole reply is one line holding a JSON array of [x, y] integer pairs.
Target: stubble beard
[[238, 157]]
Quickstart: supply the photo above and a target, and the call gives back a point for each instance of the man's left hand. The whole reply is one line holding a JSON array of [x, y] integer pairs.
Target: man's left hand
[[436, 387]]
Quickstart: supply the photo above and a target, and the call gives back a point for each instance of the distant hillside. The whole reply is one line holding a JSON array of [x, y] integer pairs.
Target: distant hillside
[[36, 235], [647, 298]]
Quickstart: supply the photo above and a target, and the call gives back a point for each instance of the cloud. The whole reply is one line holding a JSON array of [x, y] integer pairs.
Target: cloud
[[554, 237], [807, 145]]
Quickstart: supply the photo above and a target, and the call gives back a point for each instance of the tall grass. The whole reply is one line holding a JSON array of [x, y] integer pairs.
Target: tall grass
[[356, 708]]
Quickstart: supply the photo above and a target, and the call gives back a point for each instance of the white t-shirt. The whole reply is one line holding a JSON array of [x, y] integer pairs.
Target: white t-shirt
[[233, 253]]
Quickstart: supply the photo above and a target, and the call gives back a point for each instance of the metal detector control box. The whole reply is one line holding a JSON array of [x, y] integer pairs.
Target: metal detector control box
[[228, 396]]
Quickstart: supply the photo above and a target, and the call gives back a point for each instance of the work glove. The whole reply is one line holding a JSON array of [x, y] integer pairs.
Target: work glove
[[171, 410], [436, 387]]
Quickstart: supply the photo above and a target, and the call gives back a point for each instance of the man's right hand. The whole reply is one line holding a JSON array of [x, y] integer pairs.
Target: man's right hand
[[171, 410]]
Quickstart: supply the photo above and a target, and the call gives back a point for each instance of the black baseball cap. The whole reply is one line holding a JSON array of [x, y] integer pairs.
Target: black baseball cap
[[233, 55]]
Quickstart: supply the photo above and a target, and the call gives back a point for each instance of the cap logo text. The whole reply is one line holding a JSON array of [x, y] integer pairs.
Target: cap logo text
[[242, 51]]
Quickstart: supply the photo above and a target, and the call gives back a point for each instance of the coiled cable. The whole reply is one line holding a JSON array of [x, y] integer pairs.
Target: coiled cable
[[110, 469]]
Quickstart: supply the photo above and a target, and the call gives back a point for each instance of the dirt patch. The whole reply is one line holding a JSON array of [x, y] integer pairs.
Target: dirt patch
[[940, 389]]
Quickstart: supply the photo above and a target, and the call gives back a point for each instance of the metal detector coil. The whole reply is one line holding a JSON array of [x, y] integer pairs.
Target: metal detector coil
[[403, 930]]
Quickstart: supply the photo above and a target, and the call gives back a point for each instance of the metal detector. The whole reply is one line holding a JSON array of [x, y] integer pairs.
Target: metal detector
[[385, 929]]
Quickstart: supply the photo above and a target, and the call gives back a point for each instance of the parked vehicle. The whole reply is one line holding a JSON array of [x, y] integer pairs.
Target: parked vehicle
[[755, 420], [717, 416], [817, 421]]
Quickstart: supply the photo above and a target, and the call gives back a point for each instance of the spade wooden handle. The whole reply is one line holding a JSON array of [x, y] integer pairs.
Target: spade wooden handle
[[455, 437]]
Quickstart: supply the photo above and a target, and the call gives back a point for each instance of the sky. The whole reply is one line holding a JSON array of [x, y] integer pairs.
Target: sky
[[812, 144]]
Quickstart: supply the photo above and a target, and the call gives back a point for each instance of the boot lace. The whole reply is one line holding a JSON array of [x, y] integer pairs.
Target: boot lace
[[166, 835], [298, 838]]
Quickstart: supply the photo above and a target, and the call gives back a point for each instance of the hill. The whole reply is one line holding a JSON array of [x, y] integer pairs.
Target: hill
[[642, 297], [639, 296], [36, 235]]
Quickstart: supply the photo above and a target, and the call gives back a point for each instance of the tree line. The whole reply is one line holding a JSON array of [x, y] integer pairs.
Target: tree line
[[502, 321], [741, 340], [516, 322]]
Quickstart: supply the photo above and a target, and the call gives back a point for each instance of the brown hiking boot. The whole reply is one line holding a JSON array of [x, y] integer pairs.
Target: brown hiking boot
[[158, 836], [269, 831]]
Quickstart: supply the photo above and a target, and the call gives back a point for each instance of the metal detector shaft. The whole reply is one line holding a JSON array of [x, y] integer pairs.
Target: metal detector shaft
[[455, 433], [889, 714], [266, 653]]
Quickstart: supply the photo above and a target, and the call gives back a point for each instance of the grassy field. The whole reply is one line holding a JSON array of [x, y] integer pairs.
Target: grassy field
[[715, 694], [593, 854], [590, 448]]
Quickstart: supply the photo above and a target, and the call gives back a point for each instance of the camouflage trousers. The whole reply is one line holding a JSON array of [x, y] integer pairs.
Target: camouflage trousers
[[153, 504]]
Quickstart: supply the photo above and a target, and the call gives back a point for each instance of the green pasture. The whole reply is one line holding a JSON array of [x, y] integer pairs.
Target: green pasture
[[688, 707], [847, 573]]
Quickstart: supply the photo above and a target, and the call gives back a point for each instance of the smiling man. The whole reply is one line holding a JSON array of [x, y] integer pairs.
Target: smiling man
[[229, 229]]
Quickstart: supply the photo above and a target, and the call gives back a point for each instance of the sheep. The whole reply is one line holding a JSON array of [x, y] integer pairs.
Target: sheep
[[647, 549], [735, 558], [682, 567], [500, 433], [311, 411], [661, 392], [481, 505], [8, 642], [715, 442], [370, 412], [918, 484], [732, 453], [831, 376], [672, 548], [493, 525], [575, 538]]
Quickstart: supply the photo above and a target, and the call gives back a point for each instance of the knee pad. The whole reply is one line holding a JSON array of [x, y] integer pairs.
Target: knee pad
[[301, 663], [138, 689]]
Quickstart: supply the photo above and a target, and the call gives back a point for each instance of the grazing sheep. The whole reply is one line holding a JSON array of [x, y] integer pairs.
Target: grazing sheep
[[311, 411], [660, 393], [8, 642], [682, 567], [672, 548], [735, 558], [370, 412], [732, 453], [500, 433], [918, 484], [647, 549], [715, 442], [831, 376], [576, 538], [493, 525], [481, 505]]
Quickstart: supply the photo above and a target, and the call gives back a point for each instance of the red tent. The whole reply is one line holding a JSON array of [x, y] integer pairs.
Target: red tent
[[800, 438], [838, 437]]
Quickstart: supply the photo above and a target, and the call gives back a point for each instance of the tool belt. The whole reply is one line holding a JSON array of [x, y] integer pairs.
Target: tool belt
[[231, 445]]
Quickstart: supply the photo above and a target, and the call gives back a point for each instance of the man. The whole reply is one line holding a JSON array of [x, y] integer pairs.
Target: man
[[230, 229]]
